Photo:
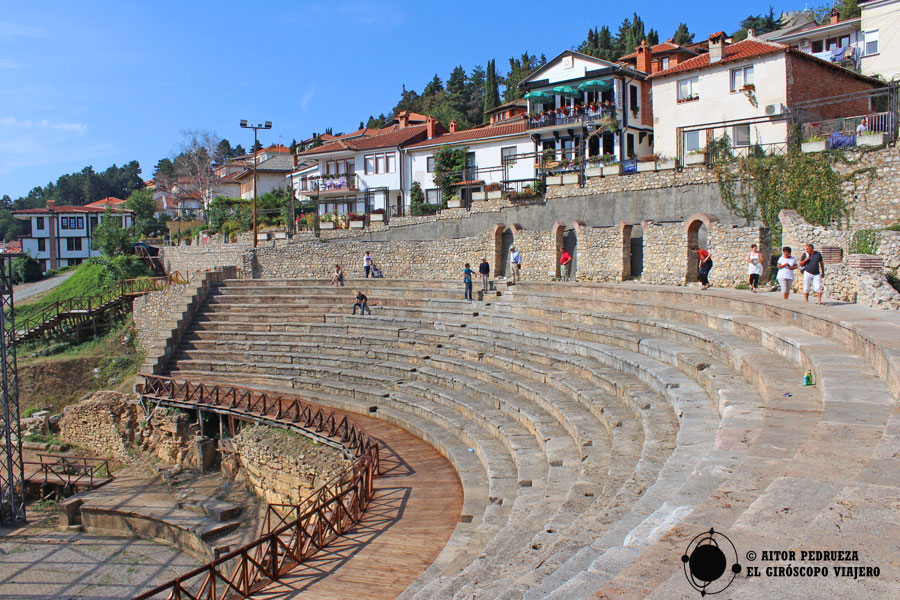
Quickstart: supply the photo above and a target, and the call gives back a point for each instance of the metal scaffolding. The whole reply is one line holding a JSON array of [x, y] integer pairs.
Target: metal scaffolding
[[12, 475]]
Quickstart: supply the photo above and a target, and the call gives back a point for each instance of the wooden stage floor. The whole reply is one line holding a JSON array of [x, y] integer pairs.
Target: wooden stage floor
[[416, 507]]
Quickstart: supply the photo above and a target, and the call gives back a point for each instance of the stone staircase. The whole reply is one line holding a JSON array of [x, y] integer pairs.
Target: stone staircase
[[595, 429]]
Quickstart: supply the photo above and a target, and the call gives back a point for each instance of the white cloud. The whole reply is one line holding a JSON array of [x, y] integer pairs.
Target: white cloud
[[29, 143], [12, 122], [9, 29], [307, 97], [6, 63]]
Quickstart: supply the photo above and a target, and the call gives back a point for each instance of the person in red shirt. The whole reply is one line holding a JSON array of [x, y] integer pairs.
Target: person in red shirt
[[704, 265], [565, 260]]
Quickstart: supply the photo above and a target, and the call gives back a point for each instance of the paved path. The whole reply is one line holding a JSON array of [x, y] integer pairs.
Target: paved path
[[36, 562], [415, 509], [27, 290]]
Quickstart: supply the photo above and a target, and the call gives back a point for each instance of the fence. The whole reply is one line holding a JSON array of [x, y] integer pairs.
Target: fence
[[290, 534]]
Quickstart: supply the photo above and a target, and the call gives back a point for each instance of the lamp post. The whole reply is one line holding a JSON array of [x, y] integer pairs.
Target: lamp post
[[255, 128]]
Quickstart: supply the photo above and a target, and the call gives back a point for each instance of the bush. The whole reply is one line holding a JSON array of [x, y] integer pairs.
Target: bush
[[865, 241], [119, 268], [25, 270], [419, 210]]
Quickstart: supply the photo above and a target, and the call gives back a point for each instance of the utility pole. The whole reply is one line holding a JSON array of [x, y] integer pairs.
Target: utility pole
[[255, 128]]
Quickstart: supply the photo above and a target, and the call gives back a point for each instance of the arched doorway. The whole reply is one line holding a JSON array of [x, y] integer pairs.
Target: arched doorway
[[570, 244], [506, 241], [698, 226], [636, 247]]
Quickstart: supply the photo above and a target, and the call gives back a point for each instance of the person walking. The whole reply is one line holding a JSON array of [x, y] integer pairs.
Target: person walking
[[565, 260], [485, 269], [467, 279], [362, 303], [754, 266], [786, 266], [813, 267], [703, 266], [515, 264], [367, 264], [338, 277]]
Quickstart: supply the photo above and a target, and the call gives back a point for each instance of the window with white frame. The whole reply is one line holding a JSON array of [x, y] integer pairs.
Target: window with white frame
[[871, 41], [380, 163], [433, 196], [688, 89], [64, 222], [741, 77], [741, 135], [691, 141], [663, 63], [507, 155]]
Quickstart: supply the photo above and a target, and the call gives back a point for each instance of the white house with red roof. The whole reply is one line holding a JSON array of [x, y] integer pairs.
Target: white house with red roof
[[494, 157], [744, 90], [364, 173], [59, 236]]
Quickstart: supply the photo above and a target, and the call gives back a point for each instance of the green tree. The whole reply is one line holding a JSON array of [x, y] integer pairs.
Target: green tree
[[239, 150], [10, 227], [434, 87], [491, 87], [652, 37], [850, 10], [25, 270], [417, 204], [475, 94], [682, 35], [759, 24], [449, 163], [519, 69], [144, 206], [110, 237]]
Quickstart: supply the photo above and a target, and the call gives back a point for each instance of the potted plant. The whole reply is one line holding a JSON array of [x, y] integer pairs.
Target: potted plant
[[870, 138], [647, 163], [377, 215], [612, 168], [664, 163], [328, 221], [695, 157], [816, 143], [594, 167], [493, 191], [454, 202]]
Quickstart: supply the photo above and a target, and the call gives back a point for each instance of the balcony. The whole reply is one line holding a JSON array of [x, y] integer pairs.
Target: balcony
[[331, 184], [571, 116]]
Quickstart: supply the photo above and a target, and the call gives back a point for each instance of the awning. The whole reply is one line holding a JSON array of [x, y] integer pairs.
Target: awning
[[566, 90], [594, 85], [538, 96]]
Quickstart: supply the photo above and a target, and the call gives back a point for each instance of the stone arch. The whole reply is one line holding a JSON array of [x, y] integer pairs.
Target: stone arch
[[497, 257], [695, 227], [628, 250]]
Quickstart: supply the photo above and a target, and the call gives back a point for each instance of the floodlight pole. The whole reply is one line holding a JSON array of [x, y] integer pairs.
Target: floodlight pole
[[12, 473], [255, 128]]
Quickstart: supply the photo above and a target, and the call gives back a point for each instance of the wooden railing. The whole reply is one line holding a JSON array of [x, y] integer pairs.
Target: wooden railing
[[75, 471], [52, 315], [290, 534]]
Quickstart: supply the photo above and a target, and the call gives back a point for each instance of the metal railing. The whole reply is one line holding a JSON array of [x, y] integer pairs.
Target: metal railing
[[70, 471], [345, 182], [577, 115], [881, 122], [290, 534]]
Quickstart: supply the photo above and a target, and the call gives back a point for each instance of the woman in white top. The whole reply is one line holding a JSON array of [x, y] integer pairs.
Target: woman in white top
[[786, 266], [754, 267]]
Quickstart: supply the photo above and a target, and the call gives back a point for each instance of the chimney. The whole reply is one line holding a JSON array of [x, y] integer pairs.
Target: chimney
[[716, 46], [452, 126], [643, 57], [51, 203], [835, 16], [430, 126], [751, 34], [403, 118]]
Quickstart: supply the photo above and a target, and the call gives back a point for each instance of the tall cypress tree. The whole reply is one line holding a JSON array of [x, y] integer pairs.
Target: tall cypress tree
[[491, 88]]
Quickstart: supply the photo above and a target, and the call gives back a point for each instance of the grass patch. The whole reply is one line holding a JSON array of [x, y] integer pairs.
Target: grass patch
[[742, 286]]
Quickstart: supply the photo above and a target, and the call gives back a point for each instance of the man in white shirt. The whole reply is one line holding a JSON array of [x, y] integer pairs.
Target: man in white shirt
[[862, 127], [367, 264], [515, 263]]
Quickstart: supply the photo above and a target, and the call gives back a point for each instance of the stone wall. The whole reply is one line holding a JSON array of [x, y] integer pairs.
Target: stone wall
[[842, 282], [668, 259], [191, 259], [283, 467], [432, 259], [151, 311], [113, 425], [603, 253], [540, 252], [617, 184], [872, 194]]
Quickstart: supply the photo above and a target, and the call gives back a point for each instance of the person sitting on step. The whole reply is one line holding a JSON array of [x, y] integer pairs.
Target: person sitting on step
[[362, 303]]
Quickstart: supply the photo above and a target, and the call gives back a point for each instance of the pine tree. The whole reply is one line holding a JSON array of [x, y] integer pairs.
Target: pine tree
[[491, 88], [434, 87], [652, 37], [850, 10], [682, 35]]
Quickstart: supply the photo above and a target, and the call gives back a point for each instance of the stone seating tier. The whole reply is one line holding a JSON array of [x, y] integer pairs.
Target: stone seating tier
[[592, 426]]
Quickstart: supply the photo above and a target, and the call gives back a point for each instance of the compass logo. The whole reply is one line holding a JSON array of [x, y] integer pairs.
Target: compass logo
[[710, 562]]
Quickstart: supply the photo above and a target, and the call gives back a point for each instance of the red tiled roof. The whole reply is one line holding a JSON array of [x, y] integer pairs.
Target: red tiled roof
[[743, 50], [108, 201], [277, 148], [67, 209], [751, 48], [660, 48], [386, 138], [478, 133]]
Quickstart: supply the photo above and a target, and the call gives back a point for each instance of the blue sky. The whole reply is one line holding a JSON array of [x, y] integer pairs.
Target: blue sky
[[97, 83]]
